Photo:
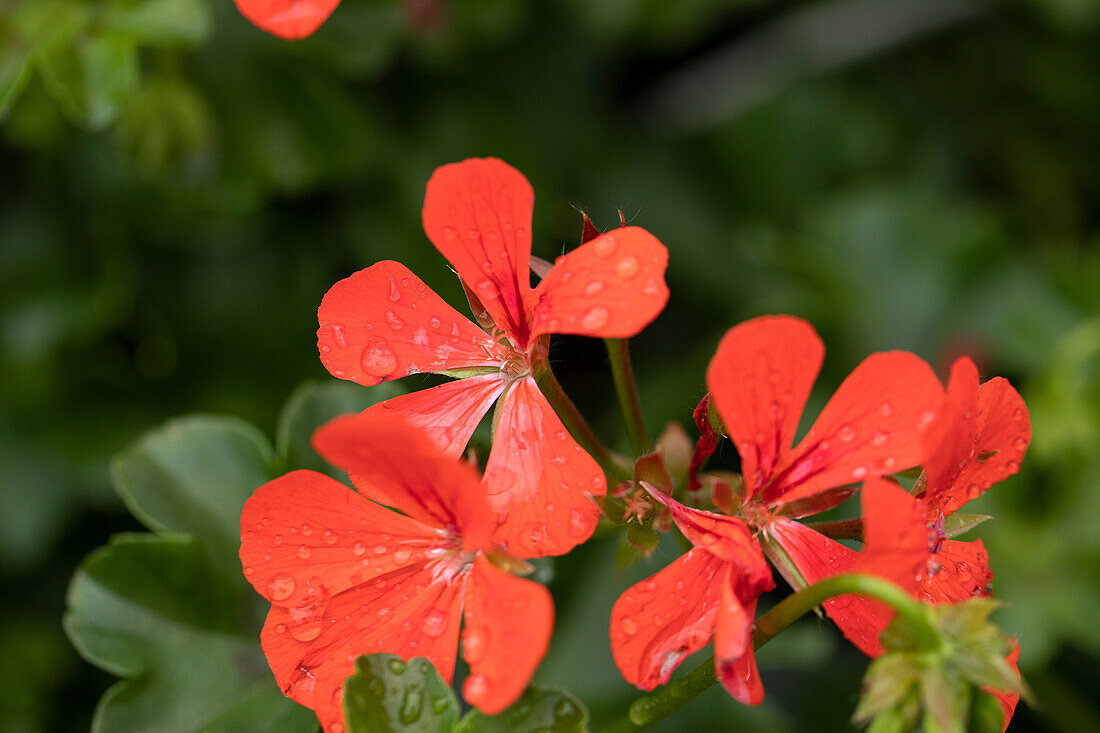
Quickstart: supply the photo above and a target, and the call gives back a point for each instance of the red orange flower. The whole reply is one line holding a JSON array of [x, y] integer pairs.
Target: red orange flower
[[759, 381], [978, 439], [384, 323], [347, 576], [289, 19]]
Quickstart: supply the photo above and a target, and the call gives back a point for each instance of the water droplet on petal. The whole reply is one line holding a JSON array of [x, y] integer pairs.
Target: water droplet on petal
[[307, 631], [596, 317], [845, 433], [859, 472], [280, 587], [330, 537], [378, 359], [475, 689], [401, 556], [973, 491], [627, 267], [878, 437], [1013, 466], [394, 321], [280, 628], [964, 571], [358, 549], [277, 539], [381, 549], [304, 552], [604, 245], [594, 287], [487, 289], [474, 639], [629, 627], [434, 623]]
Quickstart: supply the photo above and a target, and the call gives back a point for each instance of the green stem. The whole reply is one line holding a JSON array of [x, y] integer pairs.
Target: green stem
[[613, 464], [648, 710], [618, 351]]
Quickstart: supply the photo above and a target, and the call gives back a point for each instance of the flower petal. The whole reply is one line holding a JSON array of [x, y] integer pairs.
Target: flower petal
[[509, 622], [817, 557], [964, 573], [658, 622], [1008, 700], [759, 379], [398, 464], [411, 612], [734, 658], [289, 19], [610, 287], [979, 438], [305, 536], [384, 323], [896, 549], [448, 413], [729, 538], [477, 213], [538, 479], [873, 425]]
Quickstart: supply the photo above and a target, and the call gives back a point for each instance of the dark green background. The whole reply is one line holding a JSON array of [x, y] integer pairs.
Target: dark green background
[[178, 191]]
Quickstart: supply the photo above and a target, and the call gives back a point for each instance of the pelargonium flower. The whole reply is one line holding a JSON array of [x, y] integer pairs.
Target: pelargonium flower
[[759, 381], [713, 590], [289, 19], [979, 438], [384, 323], [348, 576]]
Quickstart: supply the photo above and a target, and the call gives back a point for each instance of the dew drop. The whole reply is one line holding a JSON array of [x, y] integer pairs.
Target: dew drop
[[845, 433], [487, 289], [440, 704], [1021, 445], [401, 556], [579, 525], [396, 666], [410, 707], [381, 549], [358, 549], [304, 552], [338, 334], [859, 472], [394, 321], [474, 641], [1013, 466], [378, 359], [394, 294], [475, 688], [604, 245], [307, 631], [627, 267], [593, 288], [629, 627], [330, 537], [433, 624], [280, 587], [277, 539], [973, 491], [596, 317], [879, 437], [964, 571], [1018, 413], [280, 628]]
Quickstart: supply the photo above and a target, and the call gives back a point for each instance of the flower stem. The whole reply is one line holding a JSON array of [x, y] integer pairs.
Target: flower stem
[[613, 464], [648, 710], [618, 351]]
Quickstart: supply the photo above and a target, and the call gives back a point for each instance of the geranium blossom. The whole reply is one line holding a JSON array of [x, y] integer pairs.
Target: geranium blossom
[[290, 19], [759, 380], [978, 439], [347, 576], [384, 323]]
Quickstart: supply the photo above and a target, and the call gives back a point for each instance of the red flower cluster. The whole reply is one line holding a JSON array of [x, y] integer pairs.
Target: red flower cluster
[[425, 542], [346, 576]]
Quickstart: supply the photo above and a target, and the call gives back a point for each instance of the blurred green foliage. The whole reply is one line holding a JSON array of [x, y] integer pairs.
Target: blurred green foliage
[[179, 189]]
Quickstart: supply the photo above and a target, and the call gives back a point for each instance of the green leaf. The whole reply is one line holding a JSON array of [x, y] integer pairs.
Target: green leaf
[[152, 610], [958, 524], [193, 475], [540, 709], [386, 694], [162, 22], [311, 406]]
